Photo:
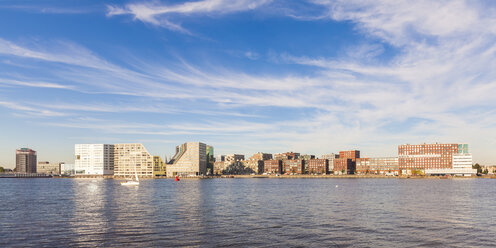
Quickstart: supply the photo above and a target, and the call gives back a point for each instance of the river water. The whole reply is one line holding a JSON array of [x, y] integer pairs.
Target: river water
[[256, 212]]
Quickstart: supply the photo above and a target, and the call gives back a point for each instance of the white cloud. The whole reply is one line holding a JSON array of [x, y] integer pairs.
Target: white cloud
[[159, 14]]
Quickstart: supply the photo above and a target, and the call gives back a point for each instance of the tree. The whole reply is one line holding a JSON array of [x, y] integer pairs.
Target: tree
[[478, 167], [485, 171], [342, 171], [2, 170]]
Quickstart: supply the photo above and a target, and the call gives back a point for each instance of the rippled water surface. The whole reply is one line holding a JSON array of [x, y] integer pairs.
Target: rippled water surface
[[248, 212]]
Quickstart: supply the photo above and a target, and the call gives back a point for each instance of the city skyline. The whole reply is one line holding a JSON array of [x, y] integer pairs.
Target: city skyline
[[247, 76]]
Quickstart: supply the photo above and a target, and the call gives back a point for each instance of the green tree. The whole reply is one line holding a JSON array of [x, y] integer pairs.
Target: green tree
[[485, 171], [2, 170], [342, 171], [478, 167]]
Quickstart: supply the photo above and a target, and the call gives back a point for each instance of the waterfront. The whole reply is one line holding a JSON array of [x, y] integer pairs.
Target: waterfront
[[248, 212]]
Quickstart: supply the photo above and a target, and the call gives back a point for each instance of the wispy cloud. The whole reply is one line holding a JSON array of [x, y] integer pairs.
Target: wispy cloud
[[159, 14]]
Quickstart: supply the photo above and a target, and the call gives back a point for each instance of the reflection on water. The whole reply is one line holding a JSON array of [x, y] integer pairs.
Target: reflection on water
[[248, 212]]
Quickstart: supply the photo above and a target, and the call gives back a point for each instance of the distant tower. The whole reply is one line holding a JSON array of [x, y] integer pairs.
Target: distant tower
[[26, 160]]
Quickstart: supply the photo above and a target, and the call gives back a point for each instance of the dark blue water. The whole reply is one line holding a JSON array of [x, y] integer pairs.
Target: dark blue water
[[248, 212]]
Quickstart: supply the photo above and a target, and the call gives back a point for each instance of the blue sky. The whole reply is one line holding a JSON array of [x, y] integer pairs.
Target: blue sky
[[311, 76]]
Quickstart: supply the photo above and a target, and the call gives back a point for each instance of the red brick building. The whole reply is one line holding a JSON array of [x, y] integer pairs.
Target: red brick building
[[319, 166], [346, 163], [428, 156], [379, 166], [273, 166], [296, 166]]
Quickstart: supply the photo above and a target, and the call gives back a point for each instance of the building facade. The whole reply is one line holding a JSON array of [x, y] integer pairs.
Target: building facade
[[273, 166], [346, 163], [261, 156], [131, 159], [330, 157], [45, 167], [190, 159], [287, 155], [26, 160], [94, 159], [435, 159], [318, 166], [378, 166], [159, 168], [293, 166]]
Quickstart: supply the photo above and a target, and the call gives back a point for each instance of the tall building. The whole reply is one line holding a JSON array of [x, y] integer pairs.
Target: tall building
[[94, 159], [190, 159], [45, 167], [25, 160], [132, 158], [346, 163], [435, 159], [210, 159]]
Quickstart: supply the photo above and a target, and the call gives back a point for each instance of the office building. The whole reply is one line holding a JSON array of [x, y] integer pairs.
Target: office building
[[94, 159], [132, 158], [293, 166], [25, 160], [435, 159], [231, 158], [190, 159]]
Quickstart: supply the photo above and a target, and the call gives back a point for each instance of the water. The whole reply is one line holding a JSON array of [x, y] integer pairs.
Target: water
[[248, 212]]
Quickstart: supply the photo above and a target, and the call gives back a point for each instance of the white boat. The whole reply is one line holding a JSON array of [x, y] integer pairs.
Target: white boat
[[131, 182]]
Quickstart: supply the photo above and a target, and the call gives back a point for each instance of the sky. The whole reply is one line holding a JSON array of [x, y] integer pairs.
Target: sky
[[310, 76]]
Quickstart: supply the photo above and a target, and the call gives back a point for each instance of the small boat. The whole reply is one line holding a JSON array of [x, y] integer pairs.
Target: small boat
[[131, 182]]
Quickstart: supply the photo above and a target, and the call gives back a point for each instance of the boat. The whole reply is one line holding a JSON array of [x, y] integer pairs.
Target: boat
[[131, 182]]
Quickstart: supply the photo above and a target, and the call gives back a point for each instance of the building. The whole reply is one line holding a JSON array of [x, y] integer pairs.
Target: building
[[94, 159], [45, 167], [261, 156], [26, 160], [159, 168], [67, 169], [378, 166], [257, 166], [435, 159], [219, 166], [210, 159], [330, 157], [131, 159], [273, 166], [346, 163], [293, 166], [231, 158], [319, 166], [190, 159], [286, 155]]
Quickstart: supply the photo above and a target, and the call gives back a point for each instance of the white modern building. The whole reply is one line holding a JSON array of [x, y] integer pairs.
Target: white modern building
[[190, 159], [94, 159], [132, 158], [462, 166]]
